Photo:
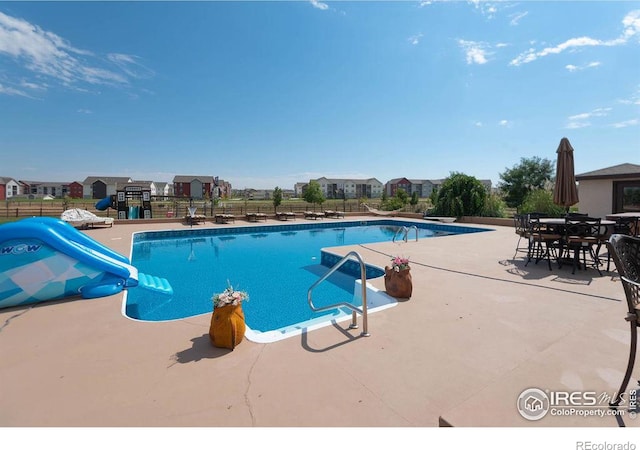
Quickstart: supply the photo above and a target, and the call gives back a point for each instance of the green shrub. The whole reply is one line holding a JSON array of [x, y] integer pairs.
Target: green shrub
[[494, 206], [541, 200]]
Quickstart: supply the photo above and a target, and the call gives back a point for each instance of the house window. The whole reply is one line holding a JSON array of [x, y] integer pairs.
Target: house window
[[626, 196]]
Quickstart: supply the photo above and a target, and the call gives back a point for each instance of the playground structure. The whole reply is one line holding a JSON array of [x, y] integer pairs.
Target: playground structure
[[132, 202]]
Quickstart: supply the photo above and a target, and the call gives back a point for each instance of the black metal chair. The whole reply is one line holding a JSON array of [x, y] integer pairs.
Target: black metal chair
[[543, 242], [521, 224], [582, 236], [625, 251], [626, 226]]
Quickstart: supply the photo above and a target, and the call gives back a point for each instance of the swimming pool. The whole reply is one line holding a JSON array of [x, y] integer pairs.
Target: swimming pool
[[275, 265]]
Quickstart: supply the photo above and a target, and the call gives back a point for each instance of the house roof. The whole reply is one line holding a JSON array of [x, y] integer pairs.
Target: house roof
[[106, 180], [5, 180], [48, 183], [190, 178], [355, 180], [625, 170]]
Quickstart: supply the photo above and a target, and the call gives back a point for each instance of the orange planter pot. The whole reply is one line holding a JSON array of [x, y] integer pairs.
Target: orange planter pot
[[398, 284], [227, 326]]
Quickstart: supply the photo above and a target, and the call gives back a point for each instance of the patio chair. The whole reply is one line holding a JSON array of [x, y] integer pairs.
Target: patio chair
[[582, 236], [625, 252], [521, 224], [543, 241], [623, 225]]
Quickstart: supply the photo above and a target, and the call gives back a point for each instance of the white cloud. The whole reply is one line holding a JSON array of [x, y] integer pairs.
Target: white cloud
[[487, 9], [515, 18], [320, 5], [478, 124], [6, 90], [48, 55], [626, 123], [573, 68], [576, 125], [415, 39], [631, 24], [582, 120], [504, 123], [85, 111], [475, 52], [633, 100]]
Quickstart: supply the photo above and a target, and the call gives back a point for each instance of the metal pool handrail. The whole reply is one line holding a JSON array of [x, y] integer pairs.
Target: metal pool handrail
[[354, 309], [406, 233]]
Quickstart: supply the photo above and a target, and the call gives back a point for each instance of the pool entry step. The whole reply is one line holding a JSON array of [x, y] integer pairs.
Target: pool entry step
[[153, 283]]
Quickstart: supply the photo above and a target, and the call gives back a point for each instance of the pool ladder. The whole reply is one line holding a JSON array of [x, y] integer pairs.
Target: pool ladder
[[354, 309], [405, 232]]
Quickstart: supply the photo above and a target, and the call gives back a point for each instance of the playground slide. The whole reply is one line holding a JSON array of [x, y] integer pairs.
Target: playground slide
[[103, 204], [47, 259]]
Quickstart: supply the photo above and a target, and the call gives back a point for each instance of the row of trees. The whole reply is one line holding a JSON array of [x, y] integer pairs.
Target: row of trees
[[527, 187]]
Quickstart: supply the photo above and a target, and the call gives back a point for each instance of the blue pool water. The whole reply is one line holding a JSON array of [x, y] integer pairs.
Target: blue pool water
[[275, 265]]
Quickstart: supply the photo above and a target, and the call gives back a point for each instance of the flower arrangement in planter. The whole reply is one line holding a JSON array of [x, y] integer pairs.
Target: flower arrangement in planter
[[229, 297], [227, 321], [397, 278], [399, 263]]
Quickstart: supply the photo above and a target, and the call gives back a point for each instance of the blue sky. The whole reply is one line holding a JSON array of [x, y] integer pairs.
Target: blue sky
[[266, 94]]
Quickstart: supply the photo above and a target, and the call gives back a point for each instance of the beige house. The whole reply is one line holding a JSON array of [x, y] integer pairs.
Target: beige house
[[613, 189], [350, 188]]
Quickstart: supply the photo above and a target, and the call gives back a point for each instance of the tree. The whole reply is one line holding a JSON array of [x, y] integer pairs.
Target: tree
[[398, 201], [414, 199], [277, 198], [313, 193], [460, 195], [530, 174]]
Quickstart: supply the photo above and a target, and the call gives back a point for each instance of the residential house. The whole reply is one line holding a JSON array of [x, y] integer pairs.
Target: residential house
[[75, 190], [163, 190], [40, 189], [424, 188], [610, 190], [9, 188], [350, 188], [222, 188], [298, 189], [101, 187], [193, 186]]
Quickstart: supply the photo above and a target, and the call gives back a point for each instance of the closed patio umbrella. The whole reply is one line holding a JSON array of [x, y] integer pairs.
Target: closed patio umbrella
[[565, 192]]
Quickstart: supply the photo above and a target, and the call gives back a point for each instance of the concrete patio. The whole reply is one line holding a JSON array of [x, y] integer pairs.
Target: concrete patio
[[480, 329]]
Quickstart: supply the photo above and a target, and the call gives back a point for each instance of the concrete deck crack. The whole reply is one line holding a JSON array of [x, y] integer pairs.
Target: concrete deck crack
[[15, 316], [247, 401]]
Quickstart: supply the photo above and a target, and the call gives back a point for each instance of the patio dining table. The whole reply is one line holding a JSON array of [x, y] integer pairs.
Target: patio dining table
[[634, 226], [561, 221], [557, 226]]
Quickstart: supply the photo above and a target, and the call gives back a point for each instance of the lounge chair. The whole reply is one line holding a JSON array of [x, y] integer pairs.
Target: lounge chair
[[192, 218], [81, 218], [313, 215], [285, 215], [254, 217], [334, 214], [224, 218]]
